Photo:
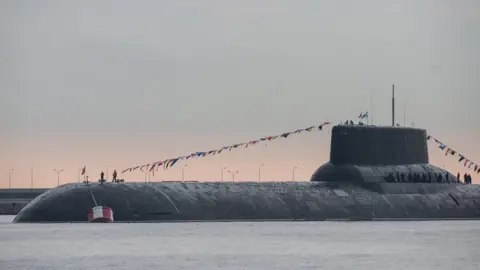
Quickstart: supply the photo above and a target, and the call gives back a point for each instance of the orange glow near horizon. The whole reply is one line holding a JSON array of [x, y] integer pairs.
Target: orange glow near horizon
[[279, 157]]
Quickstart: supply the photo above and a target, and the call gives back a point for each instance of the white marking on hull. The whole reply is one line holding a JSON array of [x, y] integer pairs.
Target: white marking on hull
[[166, 196]]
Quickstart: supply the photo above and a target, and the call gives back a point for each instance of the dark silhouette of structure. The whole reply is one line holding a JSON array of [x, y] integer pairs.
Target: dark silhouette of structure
[[358, 183]]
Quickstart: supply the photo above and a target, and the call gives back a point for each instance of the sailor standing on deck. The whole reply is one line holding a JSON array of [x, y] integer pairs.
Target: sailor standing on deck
[[114, 176]]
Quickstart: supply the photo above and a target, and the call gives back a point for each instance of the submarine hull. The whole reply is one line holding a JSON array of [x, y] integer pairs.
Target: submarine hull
[[373, 173], [193, 201]]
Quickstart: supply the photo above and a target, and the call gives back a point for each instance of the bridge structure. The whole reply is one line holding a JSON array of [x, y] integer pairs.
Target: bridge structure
[[12, 200]]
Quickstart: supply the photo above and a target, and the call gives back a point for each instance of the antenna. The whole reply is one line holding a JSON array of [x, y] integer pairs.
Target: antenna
[[370, 116], [393, 105], [405, 112]]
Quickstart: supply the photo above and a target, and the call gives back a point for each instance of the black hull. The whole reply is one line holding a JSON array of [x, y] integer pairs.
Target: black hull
[[176, 201], [373, 173]]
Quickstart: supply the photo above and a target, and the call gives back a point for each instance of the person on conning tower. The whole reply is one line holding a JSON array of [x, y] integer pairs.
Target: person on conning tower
[[114, 178]]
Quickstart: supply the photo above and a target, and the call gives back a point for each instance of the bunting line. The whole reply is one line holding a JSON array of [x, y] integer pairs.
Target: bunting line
[[461, 158], [167, 163], [448, 151]]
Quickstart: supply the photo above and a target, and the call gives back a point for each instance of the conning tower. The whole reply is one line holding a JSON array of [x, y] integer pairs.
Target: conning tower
[[362, 153], [376, 146]]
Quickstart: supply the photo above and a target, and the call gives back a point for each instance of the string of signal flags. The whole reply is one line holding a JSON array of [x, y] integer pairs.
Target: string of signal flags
[[448, 151], [461, 158], [167, 163]]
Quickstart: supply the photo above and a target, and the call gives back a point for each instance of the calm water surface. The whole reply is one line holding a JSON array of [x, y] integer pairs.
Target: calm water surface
[[243, 245]]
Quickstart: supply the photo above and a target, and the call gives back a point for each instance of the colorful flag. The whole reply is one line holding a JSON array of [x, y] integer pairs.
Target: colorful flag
[[170, 162]]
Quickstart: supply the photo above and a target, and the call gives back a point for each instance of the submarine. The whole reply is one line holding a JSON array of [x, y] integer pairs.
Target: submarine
[[374, 173]]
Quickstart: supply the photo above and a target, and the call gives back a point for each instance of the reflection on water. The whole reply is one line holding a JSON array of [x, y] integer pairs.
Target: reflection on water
[[242, 245]]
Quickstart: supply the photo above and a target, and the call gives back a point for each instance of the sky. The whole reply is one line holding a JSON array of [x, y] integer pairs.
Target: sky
[[113, 84]]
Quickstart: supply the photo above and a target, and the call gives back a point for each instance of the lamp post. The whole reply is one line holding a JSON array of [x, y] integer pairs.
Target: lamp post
[[10, 178], [183, 172], [223, 169], [260, 171], [58, 175], [233, 174], [31, 176], [293, 173]]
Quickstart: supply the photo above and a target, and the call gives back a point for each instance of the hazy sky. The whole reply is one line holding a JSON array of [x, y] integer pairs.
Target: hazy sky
[[111, 84]]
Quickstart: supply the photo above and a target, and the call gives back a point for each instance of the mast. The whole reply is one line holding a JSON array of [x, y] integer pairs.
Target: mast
[[393, 105], [370, 116]]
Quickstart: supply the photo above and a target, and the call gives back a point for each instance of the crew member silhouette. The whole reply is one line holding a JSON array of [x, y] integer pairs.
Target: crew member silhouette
[[114, 176], [102, 175]]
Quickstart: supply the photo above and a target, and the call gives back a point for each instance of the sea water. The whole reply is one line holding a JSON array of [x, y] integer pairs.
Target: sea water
[[241, 245]]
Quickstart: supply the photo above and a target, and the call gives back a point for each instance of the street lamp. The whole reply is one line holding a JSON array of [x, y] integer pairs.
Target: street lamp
[[293, 173], [223, 168], [260, 171], [10, 178], [58, 175], [233, 174], [183, 172], [31, 176]]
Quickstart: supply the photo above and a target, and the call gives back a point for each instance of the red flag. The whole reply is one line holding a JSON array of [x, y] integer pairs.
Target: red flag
[[84, 169]]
